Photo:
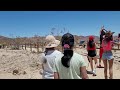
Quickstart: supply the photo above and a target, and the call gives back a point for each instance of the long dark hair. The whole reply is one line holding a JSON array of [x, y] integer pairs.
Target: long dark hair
[[65, 60], [91, 43], [68, 40], [102, 33]]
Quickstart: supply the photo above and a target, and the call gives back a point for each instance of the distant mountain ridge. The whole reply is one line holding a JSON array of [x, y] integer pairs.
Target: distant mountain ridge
[[3, 37], [40, 38]]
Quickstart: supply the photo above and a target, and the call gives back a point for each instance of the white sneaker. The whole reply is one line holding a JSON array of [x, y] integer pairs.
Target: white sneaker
[[41, 72], [94, 70], [94, 73]]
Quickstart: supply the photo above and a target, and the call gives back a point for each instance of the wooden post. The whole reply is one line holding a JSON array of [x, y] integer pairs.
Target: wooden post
[[30, 47], [25, 46], [6, 47], [3, 46], [42, 44], [0, 46], [118, 46], [37, 47], [22, 47]]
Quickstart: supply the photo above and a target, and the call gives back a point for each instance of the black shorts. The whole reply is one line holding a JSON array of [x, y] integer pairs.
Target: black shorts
[[91, 53]]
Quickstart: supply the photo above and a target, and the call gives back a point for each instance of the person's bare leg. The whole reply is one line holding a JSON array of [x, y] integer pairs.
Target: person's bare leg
[[100, 56], [95, 66], [100, 62], [91, 63], [95, 59], [100, 65], [105, 69], [111, 68]]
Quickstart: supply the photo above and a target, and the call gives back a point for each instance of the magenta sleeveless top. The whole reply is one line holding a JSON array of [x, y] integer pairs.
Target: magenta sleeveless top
[[108, 46]]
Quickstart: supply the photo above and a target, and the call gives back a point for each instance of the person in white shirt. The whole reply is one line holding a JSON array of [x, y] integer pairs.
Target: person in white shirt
[[49, 56]]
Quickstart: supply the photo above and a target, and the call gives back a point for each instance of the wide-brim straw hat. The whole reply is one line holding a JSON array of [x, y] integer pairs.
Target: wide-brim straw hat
[[51, 42]]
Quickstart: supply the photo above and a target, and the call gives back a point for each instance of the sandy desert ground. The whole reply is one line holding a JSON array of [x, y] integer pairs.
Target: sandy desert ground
[[22, 64], [19, 64]]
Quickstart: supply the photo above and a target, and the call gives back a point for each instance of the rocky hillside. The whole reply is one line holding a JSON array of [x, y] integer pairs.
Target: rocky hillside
[[41, 39]]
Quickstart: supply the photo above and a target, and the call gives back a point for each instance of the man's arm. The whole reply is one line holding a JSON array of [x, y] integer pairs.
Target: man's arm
[[84, 72], [56, 75]]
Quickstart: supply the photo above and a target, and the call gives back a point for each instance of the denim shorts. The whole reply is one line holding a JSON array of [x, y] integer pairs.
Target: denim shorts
[[107, 55]]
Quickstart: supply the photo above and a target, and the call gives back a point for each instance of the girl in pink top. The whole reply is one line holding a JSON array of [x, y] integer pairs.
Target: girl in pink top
[[107, 55], [107, 46]]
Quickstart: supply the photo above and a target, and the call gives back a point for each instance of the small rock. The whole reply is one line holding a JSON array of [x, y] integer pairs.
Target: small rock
[[3, 55], [15, 72], [24, 72]]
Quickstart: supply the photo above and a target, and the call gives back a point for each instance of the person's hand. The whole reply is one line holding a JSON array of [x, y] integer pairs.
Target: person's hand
[[102, 27]]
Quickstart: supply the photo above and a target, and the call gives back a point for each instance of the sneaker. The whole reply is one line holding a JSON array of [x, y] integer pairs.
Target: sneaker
[[41, 72], [94, 73], [100, 66], [89, 72]]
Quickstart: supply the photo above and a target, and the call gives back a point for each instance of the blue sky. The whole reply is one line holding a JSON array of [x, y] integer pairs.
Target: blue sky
[[30, 23]]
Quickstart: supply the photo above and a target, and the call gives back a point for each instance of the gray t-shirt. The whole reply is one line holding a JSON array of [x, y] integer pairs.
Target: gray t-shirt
[[48, 62]]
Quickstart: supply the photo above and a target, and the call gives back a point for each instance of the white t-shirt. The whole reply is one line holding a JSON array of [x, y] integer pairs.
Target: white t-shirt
[[48, 62]]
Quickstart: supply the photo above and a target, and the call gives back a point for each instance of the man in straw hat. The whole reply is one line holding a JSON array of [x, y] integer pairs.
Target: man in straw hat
[[49, 56]]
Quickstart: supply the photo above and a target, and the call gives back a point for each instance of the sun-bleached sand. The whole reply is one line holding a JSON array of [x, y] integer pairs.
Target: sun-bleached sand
[[26, 63], [22, 64]]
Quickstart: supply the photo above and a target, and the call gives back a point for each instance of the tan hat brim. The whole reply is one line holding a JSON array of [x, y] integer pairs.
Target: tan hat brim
[[57, 42]]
